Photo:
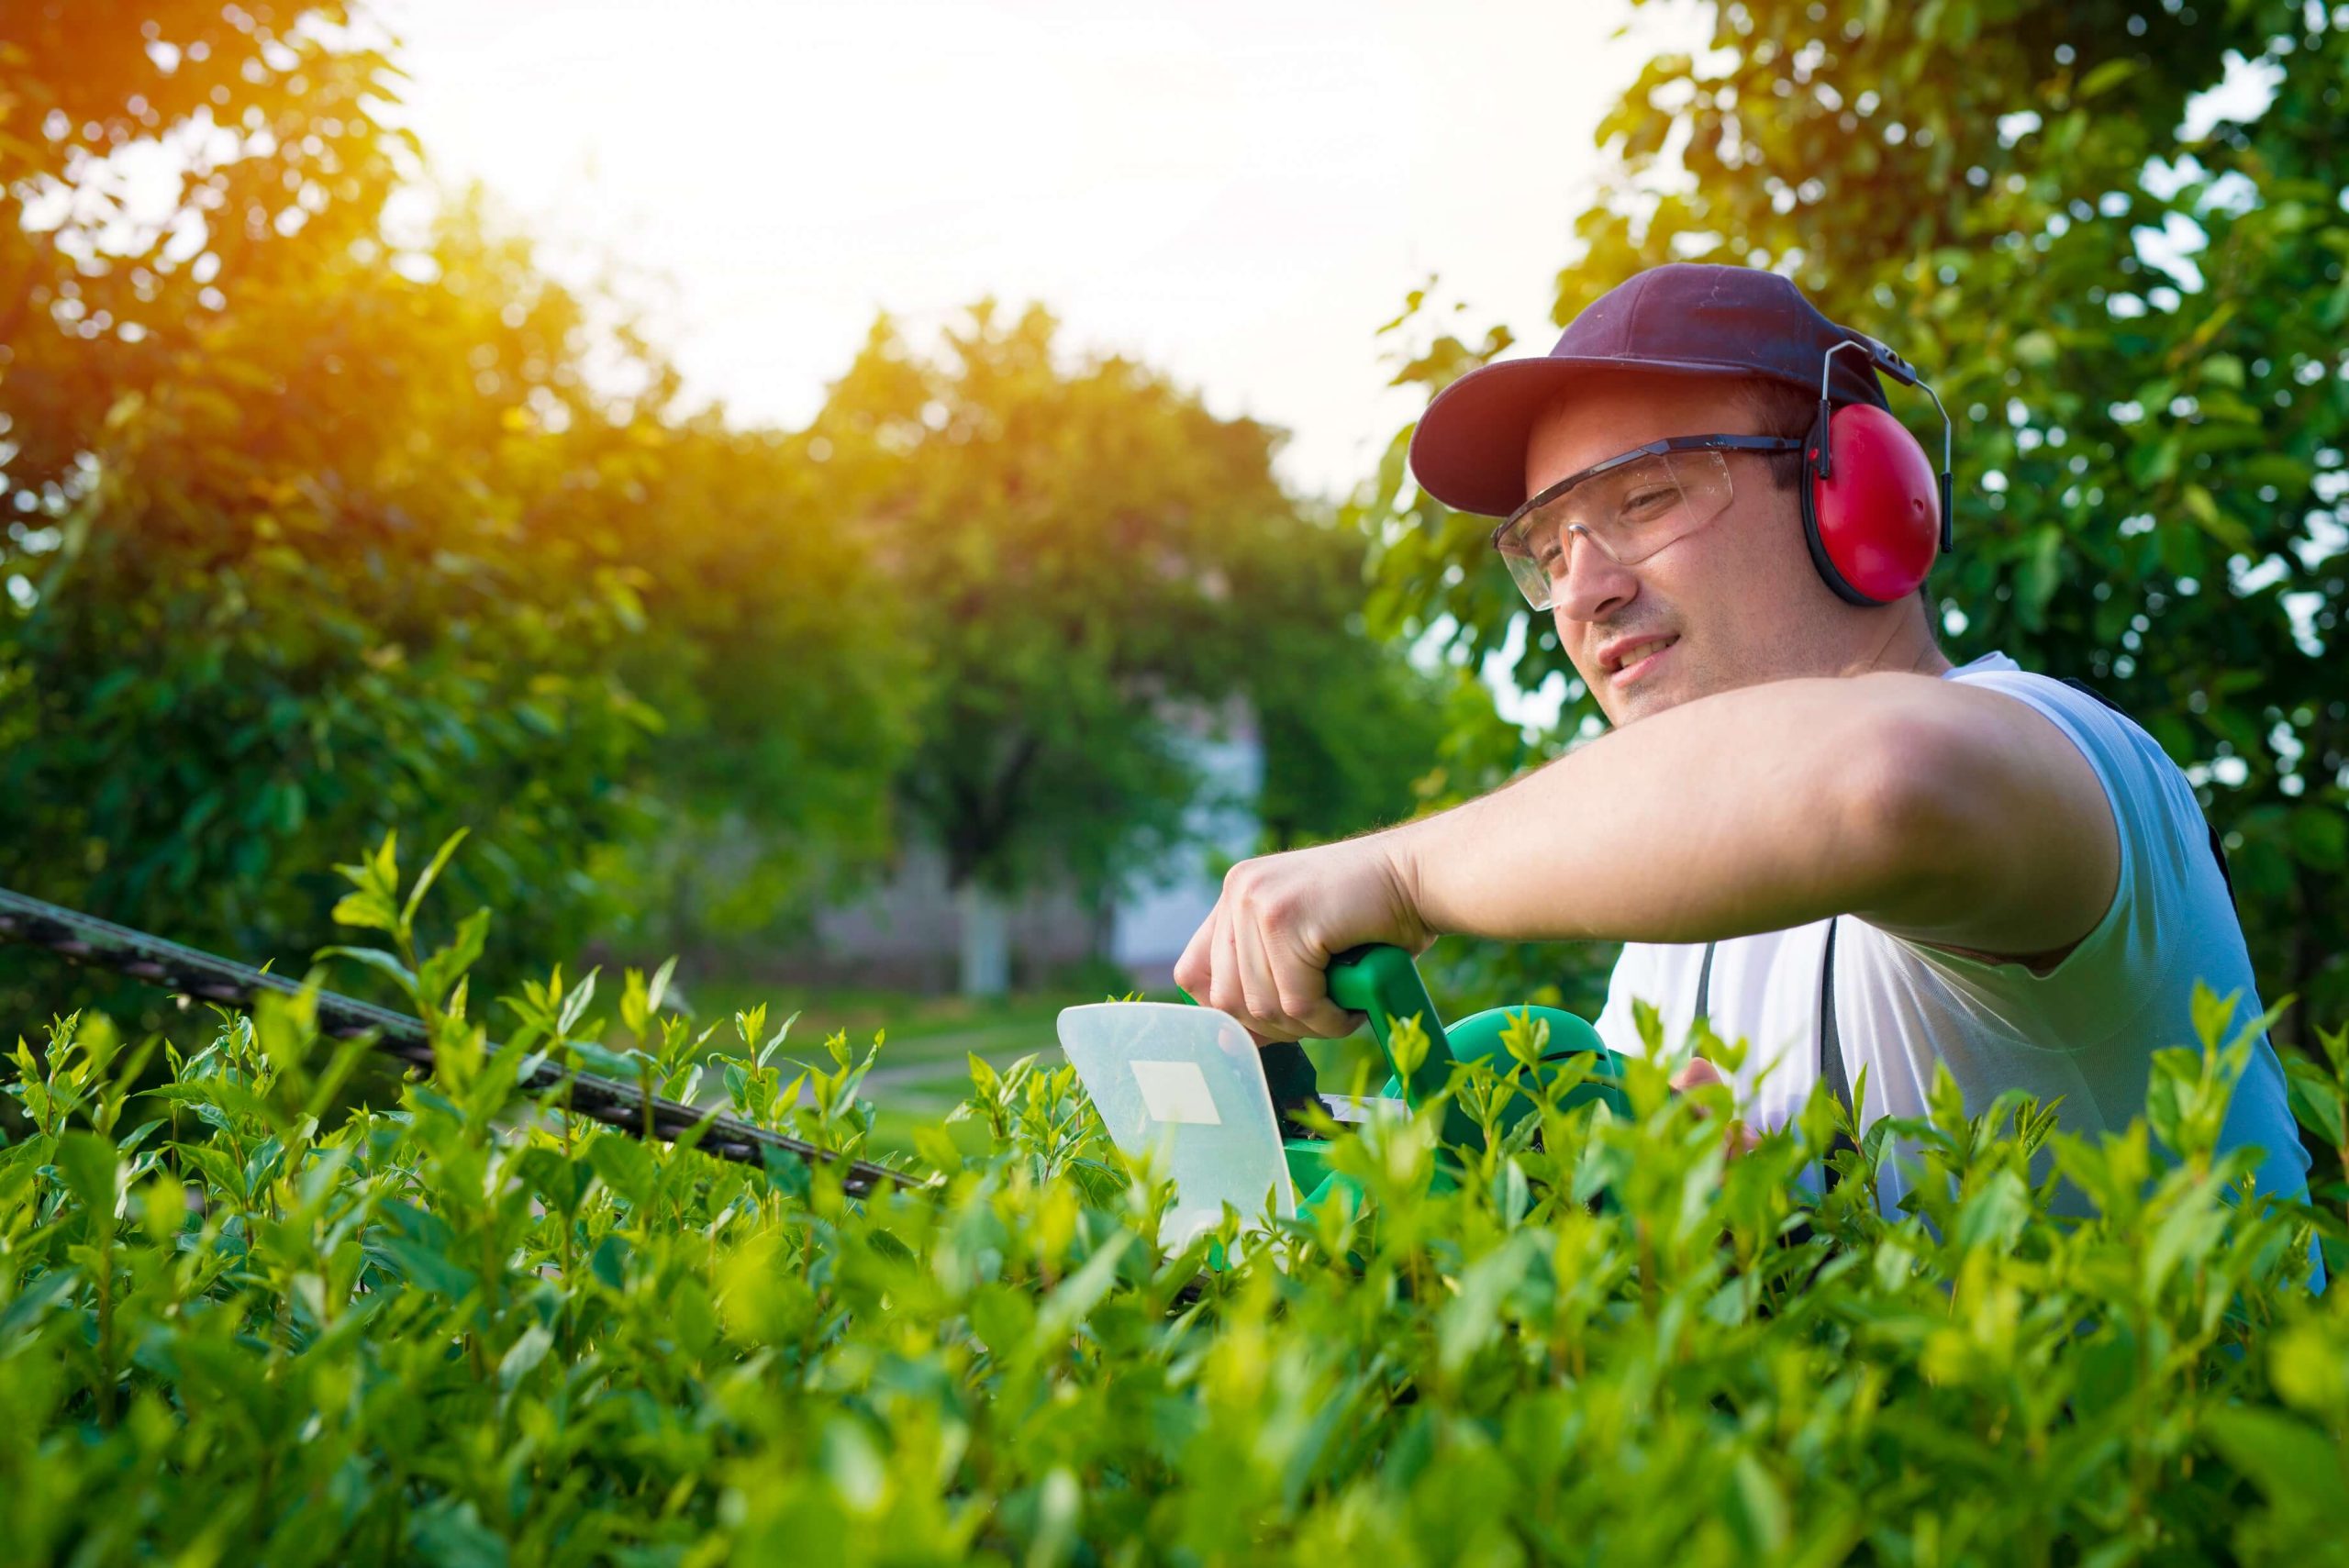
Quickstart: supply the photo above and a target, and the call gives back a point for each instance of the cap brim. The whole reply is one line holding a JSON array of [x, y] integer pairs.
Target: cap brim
[[1469, 449]]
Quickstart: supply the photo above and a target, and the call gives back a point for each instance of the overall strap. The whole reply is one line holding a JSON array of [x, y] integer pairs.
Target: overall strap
[[1832, 1071]]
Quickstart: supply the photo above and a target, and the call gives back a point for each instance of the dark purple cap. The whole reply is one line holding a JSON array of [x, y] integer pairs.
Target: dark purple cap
[[1682, 318]]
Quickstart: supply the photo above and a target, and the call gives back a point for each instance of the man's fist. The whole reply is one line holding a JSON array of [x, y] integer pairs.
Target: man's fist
[[1738, 1138], [1262, 953]]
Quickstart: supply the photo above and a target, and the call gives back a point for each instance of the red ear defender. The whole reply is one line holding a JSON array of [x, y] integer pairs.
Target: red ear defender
[[1874, 513]]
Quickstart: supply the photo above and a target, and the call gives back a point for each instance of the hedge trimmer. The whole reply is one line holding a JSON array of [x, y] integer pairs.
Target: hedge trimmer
[[102, 944], [1185, 1078], [1234, 1120]]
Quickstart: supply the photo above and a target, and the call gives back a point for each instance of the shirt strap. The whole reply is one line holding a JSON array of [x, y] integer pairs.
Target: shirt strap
[[1832, 1070]]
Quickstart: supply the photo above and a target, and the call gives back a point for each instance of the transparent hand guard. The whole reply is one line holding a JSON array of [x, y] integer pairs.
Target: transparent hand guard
[[1186, 1080]]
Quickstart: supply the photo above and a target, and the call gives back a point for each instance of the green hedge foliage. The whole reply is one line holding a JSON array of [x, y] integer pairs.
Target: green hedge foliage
[[235, 1326]]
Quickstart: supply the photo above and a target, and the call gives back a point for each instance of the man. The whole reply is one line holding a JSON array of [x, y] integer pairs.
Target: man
[[2019, 883]]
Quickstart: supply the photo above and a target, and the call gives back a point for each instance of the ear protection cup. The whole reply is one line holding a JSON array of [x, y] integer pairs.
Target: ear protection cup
[[1872, 506]]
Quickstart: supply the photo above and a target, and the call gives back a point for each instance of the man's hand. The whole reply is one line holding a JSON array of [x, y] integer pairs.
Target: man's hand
[[1262, 954], [1736, 1138]]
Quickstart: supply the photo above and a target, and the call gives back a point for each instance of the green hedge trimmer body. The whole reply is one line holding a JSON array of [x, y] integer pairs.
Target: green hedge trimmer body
[[1189, 1083]]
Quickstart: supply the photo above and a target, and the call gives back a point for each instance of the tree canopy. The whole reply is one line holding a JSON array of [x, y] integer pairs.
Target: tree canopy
[[1095, 563], [324, 523], [2129, 290], [322, 528]]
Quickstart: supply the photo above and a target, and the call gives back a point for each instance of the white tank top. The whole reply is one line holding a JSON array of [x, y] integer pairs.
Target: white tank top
[[2086, 1031]]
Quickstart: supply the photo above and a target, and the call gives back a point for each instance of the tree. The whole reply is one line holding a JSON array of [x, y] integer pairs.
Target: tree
[[2131, 305], [778, 652], [320, 534], [1090, 555], [1353, 732]]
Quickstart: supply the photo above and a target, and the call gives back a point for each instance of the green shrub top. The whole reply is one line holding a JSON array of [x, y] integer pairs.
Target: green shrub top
[[237, 1326]]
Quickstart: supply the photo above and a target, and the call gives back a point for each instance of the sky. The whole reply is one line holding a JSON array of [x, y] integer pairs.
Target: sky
[[1237, 193]]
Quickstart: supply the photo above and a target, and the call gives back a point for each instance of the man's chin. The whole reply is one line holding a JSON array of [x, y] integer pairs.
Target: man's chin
[[1637, 709]]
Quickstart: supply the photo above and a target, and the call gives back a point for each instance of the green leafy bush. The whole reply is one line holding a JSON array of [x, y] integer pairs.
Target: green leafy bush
[[469, 1330]]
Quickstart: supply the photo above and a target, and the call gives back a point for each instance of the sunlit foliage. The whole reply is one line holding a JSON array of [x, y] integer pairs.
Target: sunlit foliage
[[236, 1328], [2129, 291]]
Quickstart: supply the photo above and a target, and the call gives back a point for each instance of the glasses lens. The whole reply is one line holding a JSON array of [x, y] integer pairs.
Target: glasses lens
[[1629, 512]]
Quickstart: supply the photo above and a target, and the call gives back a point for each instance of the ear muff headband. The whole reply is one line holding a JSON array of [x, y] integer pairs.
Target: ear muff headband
[[1874, 513]]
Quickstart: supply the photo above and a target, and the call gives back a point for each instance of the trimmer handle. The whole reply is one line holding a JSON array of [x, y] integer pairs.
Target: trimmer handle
[[1381, 980]]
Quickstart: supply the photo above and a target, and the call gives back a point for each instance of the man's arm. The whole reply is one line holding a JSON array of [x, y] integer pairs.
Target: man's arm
[[1949, 815]]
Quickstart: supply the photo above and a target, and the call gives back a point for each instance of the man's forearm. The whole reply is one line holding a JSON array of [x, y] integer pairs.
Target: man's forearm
[[1750, 810]]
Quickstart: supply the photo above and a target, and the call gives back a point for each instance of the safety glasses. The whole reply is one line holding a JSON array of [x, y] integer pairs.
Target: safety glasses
[[1631, 505]]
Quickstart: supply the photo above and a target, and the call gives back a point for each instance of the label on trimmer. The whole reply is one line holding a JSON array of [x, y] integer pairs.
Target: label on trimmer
[[1176, 1091]]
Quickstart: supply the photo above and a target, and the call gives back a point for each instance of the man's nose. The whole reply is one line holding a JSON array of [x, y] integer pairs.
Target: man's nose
[[1594, 583]]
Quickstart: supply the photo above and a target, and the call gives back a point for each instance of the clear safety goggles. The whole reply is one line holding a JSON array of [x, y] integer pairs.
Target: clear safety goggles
[[1631, 505]]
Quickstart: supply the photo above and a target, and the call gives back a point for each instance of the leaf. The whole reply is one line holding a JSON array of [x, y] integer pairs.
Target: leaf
[[1081, 1291], [2211, 1013], [2296, 1466], [985, 1080], [2042, 573], [2316, 1101], [1470, 1320], [425, 1266], [374, 905], [442, 969], [430, 874], [2203, 507], [561, 1183], [856, 1468], [523, 1356], [93, 1172], [660, 986], [2310, 1370], [576, 1003], [1649, 1023], [775, 1043], [625, 1166], [449, 1534], [2105, 76], [366, 908], [1757, 1509], [379, 961]]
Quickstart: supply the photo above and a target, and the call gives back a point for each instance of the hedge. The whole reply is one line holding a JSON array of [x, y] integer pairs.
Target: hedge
[[243, 1320]]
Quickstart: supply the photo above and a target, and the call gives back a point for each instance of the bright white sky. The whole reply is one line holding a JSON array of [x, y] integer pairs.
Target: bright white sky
[[1239, 194]]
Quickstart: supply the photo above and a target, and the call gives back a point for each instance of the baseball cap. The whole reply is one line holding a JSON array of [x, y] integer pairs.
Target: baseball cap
[[1681, 318]]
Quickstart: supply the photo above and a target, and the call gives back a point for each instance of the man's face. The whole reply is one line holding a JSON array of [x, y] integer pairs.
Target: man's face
[[1738, 599]]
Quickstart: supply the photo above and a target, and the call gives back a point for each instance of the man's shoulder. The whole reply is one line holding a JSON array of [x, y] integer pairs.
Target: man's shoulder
[[2124, 753], [2069, 693]]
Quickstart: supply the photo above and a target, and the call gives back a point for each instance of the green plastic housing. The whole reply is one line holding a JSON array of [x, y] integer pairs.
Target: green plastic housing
[[1383, 981]]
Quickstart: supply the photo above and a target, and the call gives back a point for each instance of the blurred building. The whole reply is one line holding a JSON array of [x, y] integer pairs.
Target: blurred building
[[913, 932]]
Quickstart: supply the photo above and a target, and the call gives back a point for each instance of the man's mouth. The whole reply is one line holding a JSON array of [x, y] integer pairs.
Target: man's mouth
[[1640, 658]]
